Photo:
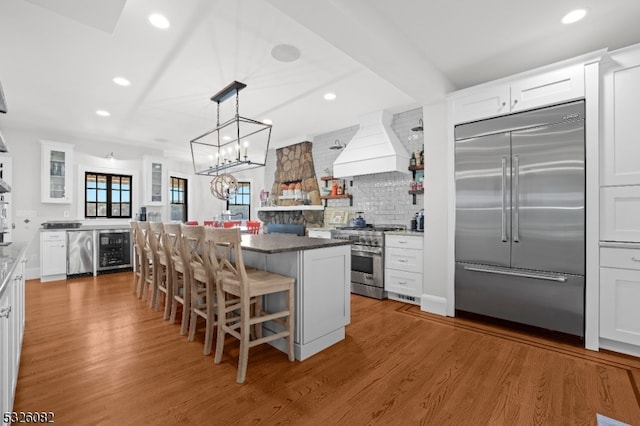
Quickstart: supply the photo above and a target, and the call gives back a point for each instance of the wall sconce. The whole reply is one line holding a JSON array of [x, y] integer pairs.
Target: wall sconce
[[110, 156]]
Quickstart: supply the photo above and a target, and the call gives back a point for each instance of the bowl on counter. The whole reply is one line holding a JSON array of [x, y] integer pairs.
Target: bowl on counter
[[325, 191]]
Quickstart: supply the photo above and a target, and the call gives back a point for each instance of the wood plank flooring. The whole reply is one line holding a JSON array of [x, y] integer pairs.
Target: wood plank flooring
[[95, 354]]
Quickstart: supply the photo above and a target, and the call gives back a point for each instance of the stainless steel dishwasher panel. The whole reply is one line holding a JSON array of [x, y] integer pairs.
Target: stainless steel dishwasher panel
[[79, 253]]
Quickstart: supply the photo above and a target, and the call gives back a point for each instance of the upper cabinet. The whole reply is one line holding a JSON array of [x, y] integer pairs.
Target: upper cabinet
[[620, 149], [544, 88], [57, 172], [155, 181]]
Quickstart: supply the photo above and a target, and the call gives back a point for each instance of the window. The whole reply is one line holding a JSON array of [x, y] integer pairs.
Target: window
[[178, 198], [107, 195], [239, 204]]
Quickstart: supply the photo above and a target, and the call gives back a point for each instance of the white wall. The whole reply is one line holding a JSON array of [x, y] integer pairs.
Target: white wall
[[436, 207]]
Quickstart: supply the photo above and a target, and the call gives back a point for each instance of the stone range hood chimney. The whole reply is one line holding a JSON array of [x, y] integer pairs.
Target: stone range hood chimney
[[375, 148]]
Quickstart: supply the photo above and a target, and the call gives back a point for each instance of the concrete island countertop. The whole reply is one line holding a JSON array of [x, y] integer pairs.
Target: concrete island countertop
[[279, 243]]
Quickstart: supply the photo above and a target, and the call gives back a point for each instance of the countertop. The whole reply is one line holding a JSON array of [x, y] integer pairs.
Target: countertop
[[279, 243], [90, 227], [9, 256], [409, 233]]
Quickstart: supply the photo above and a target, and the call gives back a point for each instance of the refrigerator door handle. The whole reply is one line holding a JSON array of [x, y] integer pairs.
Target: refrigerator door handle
[[516, 197], [557, 278], [504, 193]]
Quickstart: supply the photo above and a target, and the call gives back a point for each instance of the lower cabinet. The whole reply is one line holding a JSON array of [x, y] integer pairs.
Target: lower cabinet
[[12, 308], [619, 294], [404, 267], [53, 255]]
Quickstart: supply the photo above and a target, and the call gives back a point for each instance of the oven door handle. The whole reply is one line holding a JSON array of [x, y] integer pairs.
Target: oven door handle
[[365, 253]]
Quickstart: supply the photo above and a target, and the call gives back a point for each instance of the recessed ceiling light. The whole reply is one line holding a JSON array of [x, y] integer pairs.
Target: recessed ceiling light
[[121, 81], [329, 96], [159, 21], [103, 113], [574, 16], [267, 121], [285, 53]]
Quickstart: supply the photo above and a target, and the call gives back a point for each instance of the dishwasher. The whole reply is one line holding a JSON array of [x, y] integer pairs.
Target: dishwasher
[[79, 253]]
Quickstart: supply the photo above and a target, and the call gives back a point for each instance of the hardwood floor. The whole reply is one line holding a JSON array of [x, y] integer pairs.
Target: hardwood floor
[[95, 354]]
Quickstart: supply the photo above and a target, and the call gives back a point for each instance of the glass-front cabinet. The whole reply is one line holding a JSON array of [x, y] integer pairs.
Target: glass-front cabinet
[[155, 178], [57, 172]]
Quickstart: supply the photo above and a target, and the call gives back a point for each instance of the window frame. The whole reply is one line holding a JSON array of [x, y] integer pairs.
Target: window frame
[[110, 177], [242, 184], [185, 196]]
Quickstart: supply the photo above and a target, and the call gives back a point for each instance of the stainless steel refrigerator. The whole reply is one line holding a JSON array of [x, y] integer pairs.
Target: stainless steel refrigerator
[[520, 217]]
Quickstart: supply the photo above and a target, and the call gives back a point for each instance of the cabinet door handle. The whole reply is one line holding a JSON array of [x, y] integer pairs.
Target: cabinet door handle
[[402, 282], [515, 102], [402, 260], [4, 312], [402, 242]]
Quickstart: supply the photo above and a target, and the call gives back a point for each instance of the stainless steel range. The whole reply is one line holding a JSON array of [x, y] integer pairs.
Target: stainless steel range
[[367, 257]]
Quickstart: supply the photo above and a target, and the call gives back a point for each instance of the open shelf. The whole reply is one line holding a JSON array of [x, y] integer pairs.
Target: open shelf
[[415, 192]]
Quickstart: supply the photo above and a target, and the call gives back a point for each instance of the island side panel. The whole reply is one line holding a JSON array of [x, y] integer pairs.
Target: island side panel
[[326, 294]]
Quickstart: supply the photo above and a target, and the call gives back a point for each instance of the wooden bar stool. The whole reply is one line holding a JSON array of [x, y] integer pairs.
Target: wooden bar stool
[[138, 268], [180, 291], [162, 284], [237, 288], [150, 265], [146, 269], [203, 292]]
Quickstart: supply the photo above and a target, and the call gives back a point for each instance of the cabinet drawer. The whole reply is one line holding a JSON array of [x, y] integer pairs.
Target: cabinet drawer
[[403, 259], [620, 258], [403, 282], [402, 241], [54, 236], [620, 213]]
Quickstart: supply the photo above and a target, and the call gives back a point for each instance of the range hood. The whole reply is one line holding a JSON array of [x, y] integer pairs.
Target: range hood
[[375, 148]]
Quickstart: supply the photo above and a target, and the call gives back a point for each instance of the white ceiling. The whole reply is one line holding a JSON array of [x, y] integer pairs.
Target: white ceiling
[[56, 63]]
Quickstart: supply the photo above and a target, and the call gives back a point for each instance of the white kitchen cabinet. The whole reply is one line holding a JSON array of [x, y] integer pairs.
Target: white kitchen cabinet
[[620, 148], [619, 294], [483, 103], [155, 181], [57, 172], [404, 266], [545, 88], [53, 255], [620, 213], [12, 318]]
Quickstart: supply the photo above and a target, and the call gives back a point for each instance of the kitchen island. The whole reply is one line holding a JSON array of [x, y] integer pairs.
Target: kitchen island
[[322, 269]]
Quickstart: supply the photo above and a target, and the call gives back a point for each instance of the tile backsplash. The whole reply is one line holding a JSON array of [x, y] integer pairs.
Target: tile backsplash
[[383, 197]]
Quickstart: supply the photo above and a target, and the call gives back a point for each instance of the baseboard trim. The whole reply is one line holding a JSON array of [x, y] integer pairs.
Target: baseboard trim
[[433, 304]]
